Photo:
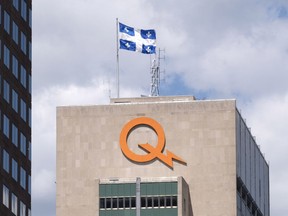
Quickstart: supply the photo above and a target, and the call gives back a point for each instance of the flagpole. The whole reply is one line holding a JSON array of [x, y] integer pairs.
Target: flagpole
[[117, 56]]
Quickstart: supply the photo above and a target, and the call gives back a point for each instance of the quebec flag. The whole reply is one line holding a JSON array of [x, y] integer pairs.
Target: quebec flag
[[137, 40]]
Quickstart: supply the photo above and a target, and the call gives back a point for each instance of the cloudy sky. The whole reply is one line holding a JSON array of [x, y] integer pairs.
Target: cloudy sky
[[214, 49]]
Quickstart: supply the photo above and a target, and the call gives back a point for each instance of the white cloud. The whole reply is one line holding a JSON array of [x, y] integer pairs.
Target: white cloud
[[44, 139], [268, 118], [44, 184], [252, 65]]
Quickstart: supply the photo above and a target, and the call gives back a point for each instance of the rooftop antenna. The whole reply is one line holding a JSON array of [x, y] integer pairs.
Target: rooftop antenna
[[155, 74]]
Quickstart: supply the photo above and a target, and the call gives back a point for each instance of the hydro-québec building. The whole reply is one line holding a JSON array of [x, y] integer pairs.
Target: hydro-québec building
[[152, 156]]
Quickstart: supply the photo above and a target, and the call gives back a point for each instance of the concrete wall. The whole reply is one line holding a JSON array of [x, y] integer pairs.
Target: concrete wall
[[200, 132]]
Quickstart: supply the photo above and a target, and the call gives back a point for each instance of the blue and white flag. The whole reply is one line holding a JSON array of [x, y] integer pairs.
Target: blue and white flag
[[137, 40]]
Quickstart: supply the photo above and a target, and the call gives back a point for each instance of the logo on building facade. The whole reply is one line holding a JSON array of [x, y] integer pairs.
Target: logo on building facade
[[152, 152]]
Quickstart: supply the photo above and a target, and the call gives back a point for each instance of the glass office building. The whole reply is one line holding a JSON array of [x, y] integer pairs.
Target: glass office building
[[15, 111]]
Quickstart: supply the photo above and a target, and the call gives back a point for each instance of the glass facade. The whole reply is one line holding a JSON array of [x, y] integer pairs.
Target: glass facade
[[252, 174], [15, 105], [156, 198]]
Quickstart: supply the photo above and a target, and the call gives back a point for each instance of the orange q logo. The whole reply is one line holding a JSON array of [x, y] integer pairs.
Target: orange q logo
[[152, 152]]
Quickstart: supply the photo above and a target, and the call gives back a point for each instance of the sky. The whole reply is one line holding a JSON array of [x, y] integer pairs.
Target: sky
[[214, 49]]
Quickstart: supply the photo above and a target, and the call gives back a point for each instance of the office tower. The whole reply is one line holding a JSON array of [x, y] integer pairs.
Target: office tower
[[172, 156], [15, 90]]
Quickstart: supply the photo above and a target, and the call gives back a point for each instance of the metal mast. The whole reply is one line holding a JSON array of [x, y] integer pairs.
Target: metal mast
[[155, 74]]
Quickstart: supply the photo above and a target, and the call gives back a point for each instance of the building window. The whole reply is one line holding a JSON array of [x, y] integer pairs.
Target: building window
[[23, 42], [23, 143], [168, 201], [143, 201], [130, 202], [29, 212], [22, 209], [29, 117], [29, 150], [16, 4], [14, 203], [14, 135], [29, 84], [30, 51], [23, 109], [149, 202], [6, 91], [174, 201], [156, 202], [161, 201], [24, 9], [153, 195], [108, 203], [15, 66], [6, 125], [15, 32], [29, 184], [30, 17], [6, 57], [23, 77], [15, 100], [6, 161], [14, 170], [7, 22], [102, 203], [5, 196], [23, 178]]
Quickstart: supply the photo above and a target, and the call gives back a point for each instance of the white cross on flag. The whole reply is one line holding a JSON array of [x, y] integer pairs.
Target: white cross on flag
[[137, 40]]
